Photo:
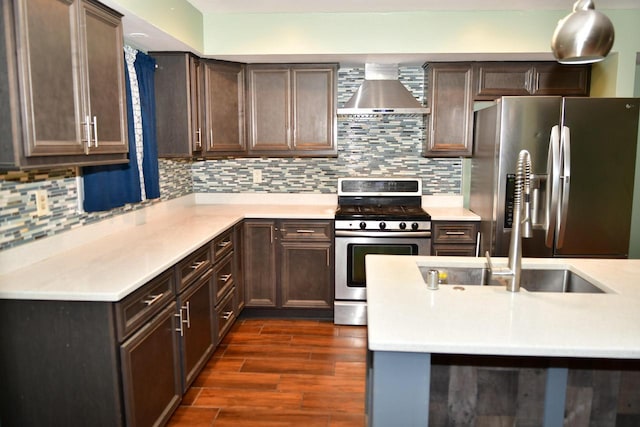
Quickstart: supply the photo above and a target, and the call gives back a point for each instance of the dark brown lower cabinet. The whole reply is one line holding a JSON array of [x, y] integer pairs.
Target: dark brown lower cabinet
[[79, 363], [59, 364], [288, 263], [260, 263], [225, 313], [305, 274], [196, 332], [151, 382], [454, 238], [238, 266]]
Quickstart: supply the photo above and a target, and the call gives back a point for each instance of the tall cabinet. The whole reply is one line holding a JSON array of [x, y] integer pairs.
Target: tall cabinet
[[62, 85]]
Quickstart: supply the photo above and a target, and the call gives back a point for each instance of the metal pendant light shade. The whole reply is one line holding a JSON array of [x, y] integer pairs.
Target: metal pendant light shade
[[584, 36]]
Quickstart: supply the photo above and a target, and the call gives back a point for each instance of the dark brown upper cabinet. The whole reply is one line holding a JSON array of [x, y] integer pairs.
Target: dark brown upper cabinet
[[224, 96], [496, 79], [292, 109], [449, 95], [62, 88], [551, 78], [199, 106], [179, 107], [502, 79], [452, 87]]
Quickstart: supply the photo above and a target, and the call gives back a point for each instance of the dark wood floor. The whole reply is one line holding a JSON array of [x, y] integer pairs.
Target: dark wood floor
[[281, 373]]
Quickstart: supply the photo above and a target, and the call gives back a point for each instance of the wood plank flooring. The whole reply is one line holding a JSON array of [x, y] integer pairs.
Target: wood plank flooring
[[278, 373]]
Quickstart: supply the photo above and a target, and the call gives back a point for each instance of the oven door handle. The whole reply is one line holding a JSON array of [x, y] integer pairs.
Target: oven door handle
[[349, 233]]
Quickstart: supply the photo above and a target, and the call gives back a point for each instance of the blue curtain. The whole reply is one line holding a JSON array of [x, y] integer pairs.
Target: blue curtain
[[145, 68], [111, 186]]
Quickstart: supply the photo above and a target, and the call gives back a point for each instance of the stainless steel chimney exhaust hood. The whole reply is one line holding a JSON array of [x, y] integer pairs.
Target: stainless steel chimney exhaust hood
[[382, 93]]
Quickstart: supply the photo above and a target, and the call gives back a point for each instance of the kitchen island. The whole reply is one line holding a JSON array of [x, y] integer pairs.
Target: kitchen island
[[531, 357]]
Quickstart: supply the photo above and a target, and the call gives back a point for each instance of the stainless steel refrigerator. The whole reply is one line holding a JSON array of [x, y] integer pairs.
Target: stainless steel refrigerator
[[583, 153]]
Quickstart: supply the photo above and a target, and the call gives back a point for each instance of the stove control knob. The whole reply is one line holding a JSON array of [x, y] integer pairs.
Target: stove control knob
[[363, 225], [402, 225], [383, 225], [414, 226]]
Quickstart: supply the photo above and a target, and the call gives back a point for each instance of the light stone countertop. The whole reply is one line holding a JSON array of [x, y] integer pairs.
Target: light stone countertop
[[405, 316], [108, 260], [451, 214]]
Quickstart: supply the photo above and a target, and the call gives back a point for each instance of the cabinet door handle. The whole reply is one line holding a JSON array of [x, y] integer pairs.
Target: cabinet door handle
[[95, 131], [211, 139], [187, 308], [227, 315], [153, 298], [180, 322], [87, 131], [224, 278], [199, 138]]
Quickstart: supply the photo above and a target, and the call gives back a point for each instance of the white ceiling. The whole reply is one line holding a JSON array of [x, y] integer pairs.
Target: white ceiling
[[328, 6]]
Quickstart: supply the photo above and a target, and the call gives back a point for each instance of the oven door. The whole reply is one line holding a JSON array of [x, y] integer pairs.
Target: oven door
[[350, 258]]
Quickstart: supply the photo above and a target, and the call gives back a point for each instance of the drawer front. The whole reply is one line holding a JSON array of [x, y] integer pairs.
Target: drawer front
[[225, 315], [223, 276], [306, 230], [193, 266], [454, 232], [222, 245], [453, 250], [144, 303]]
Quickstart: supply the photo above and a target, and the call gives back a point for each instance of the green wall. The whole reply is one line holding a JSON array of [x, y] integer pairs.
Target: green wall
[[634, 246]]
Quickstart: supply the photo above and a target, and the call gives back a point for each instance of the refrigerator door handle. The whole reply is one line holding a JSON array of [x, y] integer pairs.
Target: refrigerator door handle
[[565, 146], [553, 185]]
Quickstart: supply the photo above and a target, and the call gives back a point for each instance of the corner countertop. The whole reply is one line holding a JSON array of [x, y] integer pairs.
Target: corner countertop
[[108, 260], [405, 316], [127, 256]]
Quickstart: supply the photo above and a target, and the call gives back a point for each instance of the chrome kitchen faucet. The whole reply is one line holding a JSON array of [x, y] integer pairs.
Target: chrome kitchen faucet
[[510, 275]]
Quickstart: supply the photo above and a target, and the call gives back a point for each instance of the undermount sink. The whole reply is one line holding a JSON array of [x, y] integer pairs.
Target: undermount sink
[[533, 280]]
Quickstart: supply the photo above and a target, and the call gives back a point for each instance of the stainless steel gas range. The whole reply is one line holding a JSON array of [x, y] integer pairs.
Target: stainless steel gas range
[[374, 216]]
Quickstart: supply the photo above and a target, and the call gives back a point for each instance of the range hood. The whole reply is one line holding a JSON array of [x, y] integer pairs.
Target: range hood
[[382, 93]]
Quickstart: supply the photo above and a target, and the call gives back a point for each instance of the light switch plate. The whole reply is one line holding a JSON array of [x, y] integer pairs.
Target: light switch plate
[[42, 202]]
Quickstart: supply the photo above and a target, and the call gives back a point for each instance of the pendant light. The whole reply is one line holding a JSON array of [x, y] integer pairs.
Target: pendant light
[[584, 36]]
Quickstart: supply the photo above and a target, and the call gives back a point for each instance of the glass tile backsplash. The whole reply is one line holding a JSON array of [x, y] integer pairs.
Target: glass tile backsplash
[[381, 146]]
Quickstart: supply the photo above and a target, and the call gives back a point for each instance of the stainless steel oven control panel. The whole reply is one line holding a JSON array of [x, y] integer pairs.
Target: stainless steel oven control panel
[[379, 225]]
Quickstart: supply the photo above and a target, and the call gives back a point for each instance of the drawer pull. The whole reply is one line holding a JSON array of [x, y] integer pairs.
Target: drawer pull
[[224, 244], [197, 265], [152, 299], [455, 233], [224, 278], [304, 231], [227, 315]]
